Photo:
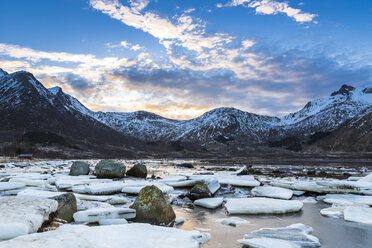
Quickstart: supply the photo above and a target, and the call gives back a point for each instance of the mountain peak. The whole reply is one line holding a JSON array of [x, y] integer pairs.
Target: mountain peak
[[2, 72], [344, 90], [55, 90]]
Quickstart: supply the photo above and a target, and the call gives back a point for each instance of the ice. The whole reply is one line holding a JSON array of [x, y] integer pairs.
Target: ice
[[173, 179], [358, 214], [102, 198], [99, 188], [233, 221], [213, 185], [179, 221], [4, 186], [69, 182], [258, 205], [293, 236], [336, 211], [343, 184], [209, 202], [273, 192], [38, 193], [182, 184], [347, 199], [113, 236], [96, 214], [134, 187], [309, 200], [367, 178], [85, 205], [30, 182], [19, 215], [267, 243], [105, 222]]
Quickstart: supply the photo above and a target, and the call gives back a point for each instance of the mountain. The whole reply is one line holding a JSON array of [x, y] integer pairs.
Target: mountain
[[29, 111], [345, 115]]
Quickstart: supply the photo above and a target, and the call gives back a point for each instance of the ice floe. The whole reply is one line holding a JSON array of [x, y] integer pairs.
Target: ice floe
[[272, 192], [258, 205], [347, 199], [293, 236], [99, 188], [209, 202], [96, 214], [358, 214], [136, 235], [20, 215], [106, 222], [233, 221]]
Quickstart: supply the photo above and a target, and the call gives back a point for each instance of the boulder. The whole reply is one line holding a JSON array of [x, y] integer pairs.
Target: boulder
[[138, 170], [79, 168], [152, 207], [66, 206], [185, 165], [108, 168], [200, 190]]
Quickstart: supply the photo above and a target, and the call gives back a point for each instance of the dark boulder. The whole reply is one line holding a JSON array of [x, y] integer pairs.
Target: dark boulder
[[79, 168], [108, 168], [138, 170]]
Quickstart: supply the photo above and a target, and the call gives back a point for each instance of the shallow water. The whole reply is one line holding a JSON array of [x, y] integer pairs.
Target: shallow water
[[333, 233]]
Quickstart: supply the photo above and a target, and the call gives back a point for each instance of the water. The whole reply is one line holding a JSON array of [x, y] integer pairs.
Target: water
[[333, 233]]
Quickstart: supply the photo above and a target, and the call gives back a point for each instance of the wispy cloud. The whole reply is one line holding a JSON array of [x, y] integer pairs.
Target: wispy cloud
[[271, 7]]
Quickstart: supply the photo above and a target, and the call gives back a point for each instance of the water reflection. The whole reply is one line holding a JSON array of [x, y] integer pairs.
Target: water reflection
[[333, 233]]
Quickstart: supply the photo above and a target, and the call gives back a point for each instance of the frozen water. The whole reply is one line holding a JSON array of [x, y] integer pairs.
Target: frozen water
[[257, 205], [209, 202], [135, 235], [96, 214], [273, 192]]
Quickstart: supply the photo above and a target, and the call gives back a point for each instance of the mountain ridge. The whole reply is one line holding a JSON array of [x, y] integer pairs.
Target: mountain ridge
[[341, 109]]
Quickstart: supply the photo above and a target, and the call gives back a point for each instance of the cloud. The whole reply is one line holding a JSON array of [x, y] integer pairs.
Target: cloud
[[271, 7]]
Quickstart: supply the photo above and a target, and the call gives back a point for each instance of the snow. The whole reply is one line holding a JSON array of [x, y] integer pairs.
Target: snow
[[273, 192], [29, 182], [293, 236], [96, 214], [38, 193], [11, 185], [105, 222], [358, 214], [213, 185], [136, 235], [19, 215], [181, 184], [257, 205], [209, 202], [367, 178]]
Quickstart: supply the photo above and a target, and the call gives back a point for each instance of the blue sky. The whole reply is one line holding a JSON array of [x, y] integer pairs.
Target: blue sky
[[180, 58]]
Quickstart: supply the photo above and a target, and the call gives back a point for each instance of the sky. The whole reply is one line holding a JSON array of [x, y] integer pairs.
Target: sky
[[181, 58]]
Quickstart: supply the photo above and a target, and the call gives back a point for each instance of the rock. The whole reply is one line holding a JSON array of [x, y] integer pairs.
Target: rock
[[110, 169], [152, 207], [66, 206], [185, 165], [293, 236], [138, 170], [79, 168], [66, 201], [200, 190]]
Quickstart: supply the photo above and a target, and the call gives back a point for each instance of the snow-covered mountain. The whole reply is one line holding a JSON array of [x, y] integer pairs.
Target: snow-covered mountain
[[221, 125]]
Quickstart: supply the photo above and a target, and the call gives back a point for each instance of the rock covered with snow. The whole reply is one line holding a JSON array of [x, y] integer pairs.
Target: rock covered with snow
[[136, 235], [23, 215], [258, 205]]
